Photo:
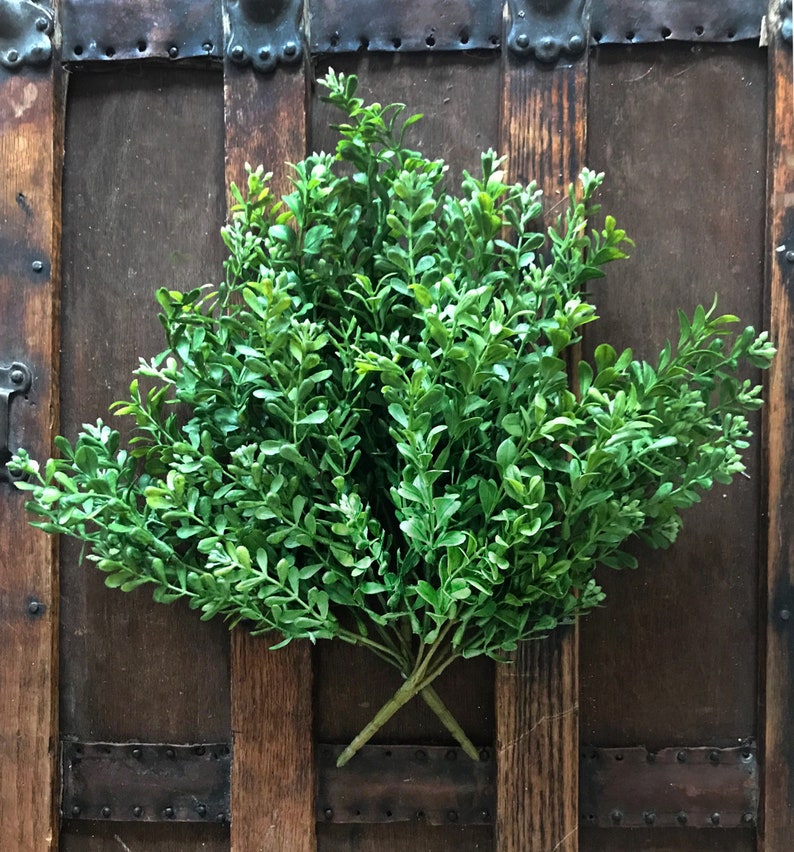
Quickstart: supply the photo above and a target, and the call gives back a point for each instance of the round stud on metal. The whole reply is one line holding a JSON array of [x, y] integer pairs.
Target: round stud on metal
[[35, 607], [37, 266], [485, 815], [747, 756], [714, 819], [681, 757], [522, 41], [522, 14], [328, 813], [681, 818], [201, 810], [748, 818], [137, 811], [221, 818], [452, 816], [137, 753], [12, 56], [42, 25], [420, 754], [649, 817], [451, 755], [75, 810], [264, 54], [168, 813], [290, 49], [485, 754], [790, 255], [173, 51], [105, 812], [17, 377], [714, 756], [207, 47], [237, 53], [785, 614], [170, 753], [575, 44], [200, 750], [616, 816]]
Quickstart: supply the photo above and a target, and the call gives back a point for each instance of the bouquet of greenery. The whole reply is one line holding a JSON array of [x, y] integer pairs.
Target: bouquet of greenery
[[376, 429]]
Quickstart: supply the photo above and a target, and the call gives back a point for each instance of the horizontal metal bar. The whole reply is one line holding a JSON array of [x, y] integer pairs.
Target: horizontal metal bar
[[692, 787], [145, 782]]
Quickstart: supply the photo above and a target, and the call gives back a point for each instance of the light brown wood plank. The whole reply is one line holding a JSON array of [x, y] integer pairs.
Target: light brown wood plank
[[273, 763], [30, 151], [537, 710], [778, 750]]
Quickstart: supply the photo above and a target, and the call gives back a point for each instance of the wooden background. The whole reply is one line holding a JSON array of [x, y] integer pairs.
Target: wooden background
[[676, 657]]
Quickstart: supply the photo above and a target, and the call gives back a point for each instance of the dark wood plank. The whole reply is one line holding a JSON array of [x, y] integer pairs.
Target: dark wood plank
[[459, 98], [537, 703], [135, 837], [30, 150], [273, 766], [666, 840], [778, 697], [672, 657], [143, 207]]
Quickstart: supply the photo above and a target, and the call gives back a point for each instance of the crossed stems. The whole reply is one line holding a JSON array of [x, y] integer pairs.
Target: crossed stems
[[419, 669]]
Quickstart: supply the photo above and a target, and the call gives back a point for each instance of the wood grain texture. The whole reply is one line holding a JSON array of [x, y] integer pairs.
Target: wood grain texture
[[273, 764], [778, 698], [143, 206], [544, 120], [666, 840], [30, 151], [137, 837], [672, 656]]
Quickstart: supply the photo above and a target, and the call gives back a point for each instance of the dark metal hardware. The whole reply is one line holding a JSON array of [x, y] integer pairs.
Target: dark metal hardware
[[102, 30], [264, 32], [14, 380], [25, 31], [641, 21], [405, 784], [693, 787], [144, 782], [782, 23], [547, 28], [420, 25]]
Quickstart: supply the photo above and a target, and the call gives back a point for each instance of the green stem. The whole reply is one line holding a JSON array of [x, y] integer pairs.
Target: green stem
[[434, 702]]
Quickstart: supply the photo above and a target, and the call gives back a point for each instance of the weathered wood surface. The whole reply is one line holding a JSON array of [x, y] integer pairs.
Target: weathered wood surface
[[143, 205], [30, 150], [544, 130], [273, 763], [778, 698], [672, 657]]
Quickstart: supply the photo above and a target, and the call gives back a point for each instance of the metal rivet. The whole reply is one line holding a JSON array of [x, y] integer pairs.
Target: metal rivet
[[681, 818], [12, 56], [485, 815], [170, 753], [173, 51], [237, 53], [264, 54], [649, 817], [201, 810], [419, 754], [220, 818], [207, 46], [575, 44], [37, 266], [547, 44], [785, 614], [201, 750], [748, 818], [42, 24], [17, 377], [137, 753], [452, 816], [681, 757], [522, 41], [105, 812], [484, 754], [714, 819], [328, 813], [75, 810], [169, 813], [616, 816], [714, 756], [419, 815], [137, 811], [747, 756], [451, 755], [35, 607], [290, 49], [522, 14], [790, 255]]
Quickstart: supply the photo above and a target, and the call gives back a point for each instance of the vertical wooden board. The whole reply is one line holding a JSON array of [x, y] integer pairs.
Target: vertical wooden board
[[778, 697], [544, 134], [131, 837], [459, 97], [272, 768], [143, 207], [672, 656], [30, 151]]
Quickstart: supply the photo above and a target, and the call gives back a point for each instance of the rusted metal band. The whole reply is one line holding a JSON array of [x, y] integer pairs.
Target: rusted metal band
[[619, 788]]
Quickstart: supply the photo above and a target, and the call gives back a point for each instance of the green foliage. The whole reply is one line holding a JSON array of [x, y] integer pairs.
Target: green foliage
[[374, 429]]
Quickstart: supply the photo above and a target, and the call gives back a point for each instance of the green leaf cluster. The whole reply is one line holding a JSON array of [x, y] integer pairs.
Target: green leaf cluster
[[378, 428]]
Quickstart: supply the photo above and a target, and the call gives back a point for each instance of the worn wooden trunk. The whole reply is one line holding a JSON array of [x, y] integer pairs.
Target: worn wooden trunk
[[664, 721]]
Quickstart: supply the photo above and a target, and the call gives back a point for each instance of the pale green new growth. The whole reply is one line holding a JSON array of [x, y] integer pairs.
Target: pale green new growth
[[386, 441]]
